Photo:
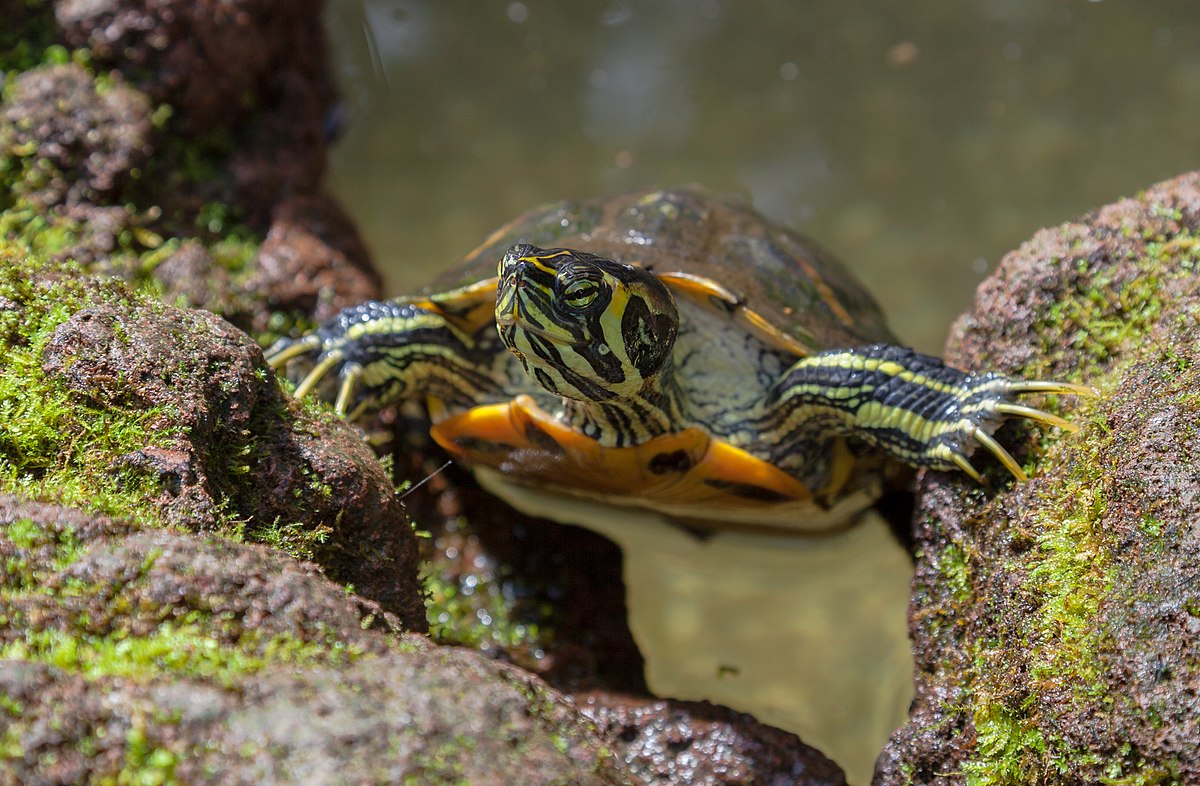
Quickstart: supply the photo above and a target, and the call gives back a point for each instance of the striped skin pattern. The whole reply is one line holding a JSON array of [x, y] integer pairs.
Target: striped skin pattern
[[392, 351], [597, 332], [910, 405]]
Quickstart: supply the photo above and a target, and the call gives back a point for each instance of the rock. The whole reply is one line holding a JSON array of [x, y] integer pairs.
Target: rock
[[184, 122], [313, 259], [235, 445], [135, 656], [206, 57], [191, 273], [78, 143], [1055, 623], [564, 583], [257, 66], [702, 744]]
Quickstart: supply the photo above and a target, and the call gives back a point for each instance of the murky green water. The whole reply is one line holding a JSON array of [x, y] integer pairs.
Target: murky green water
[[919, 140]]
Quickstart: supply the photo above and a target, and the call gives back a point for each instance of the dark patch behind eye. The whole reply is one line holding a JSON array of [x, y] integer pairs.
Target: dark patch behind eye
[[648, 336]]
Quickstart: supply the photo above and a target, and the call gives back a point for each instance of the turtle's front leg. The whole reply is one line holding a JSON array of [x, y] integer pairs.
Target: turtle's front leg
[[912, 406], [385, 351]]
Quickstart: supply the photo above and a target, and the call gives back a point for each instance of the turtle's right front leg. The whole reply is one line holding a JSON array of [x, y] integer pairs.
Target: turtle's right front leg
[[911, 406], [387, 351]]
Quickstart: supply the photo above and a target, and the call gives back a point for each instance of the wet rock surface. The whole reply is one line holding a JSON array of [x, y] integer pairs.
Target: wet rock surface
[[186, 120], [689, 742], [89, 142], [1055, 623], [313, 261], [162, 656]]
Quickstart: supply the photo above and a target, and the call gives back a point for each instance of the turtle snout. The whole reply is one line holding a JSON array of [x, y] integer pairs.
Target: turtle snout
[[513, 260]]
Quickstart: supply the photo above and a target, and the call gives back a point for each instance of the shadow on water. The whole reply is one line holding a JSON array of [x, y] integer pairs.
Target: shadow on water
[[917, 140]]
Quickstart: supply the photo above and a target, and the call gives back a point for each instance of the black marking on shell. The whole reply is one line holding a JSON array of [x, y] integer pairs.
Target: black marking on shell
[[477, 445], [542, 439], [677, 461], [747, 490]]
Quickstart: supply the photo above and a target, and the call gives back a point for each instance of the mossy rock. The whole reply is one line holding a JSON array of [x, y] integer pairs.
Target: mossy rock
[[1055, 622], [171, 418]]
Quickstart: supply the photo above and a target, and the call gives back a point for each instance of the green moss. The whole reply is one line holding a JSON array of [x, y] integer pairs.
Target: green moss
[[443, 765], [478, 610], [146, 764], [1010, 748], [299, 540], [1073, 571], [1109, 318], [57, 445], [958, 575], [156, 219], [189, 648], [18, 574]]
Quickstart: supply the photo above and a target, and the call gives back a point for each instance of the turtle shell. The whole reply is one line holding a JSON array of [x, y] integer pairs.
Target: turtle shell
[[797, 287], [757, 296]]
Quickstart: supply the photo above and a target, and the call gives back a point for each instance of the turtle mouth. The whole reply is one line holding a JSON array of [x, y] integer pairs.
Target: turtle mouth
[[515, 321]]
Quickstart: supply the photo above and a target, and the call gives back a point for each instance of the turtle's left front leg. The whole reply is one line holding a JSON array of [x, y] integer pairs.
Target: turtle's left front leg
[[911, 406]]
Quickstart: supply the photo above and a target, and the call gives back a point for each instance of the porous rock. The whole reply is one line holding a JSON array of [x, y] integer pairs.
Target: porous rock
[[1055, 623]]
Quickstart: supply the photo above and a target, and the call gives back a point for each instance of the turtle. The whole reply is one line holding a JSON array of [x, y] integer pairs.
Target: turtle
[[672, 350]]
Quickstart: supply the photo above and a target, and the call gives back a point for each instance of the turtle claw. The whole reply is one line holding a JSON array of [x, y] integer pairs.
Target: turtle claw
[[351, 374], [328, 361], [994, 447], [1030, 413], [1011, 409], [1045, 386], [288, 349], [1008, 408], [962, 463]]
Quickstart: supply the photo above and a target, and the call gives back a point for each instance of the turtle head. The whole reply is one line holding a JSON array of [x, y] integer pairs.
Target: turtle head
[[584, 327]]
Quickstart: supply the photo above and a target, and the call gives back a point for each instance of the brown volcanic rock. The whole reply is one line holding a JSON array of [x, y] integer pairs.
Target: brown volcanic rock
[[700, 744], [256, 68], [313, 259], [191, 119], [206, 56], [242, 446], [1055, 624], [82, 144], [151, 656]]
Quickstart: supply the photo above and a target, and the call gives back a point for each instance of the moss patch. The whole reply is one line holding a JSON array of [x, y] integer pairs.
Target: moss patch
[[55, 446], [481, 610], [184, 649]]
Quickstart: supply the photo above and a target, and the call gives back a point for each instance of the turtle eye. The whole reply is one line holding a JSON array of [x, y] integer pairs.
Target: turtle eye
[[580, 293]]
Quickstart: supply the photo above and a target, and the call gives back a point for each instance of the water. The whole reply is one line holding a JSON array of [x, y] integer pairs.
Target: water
[[919, 140]]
